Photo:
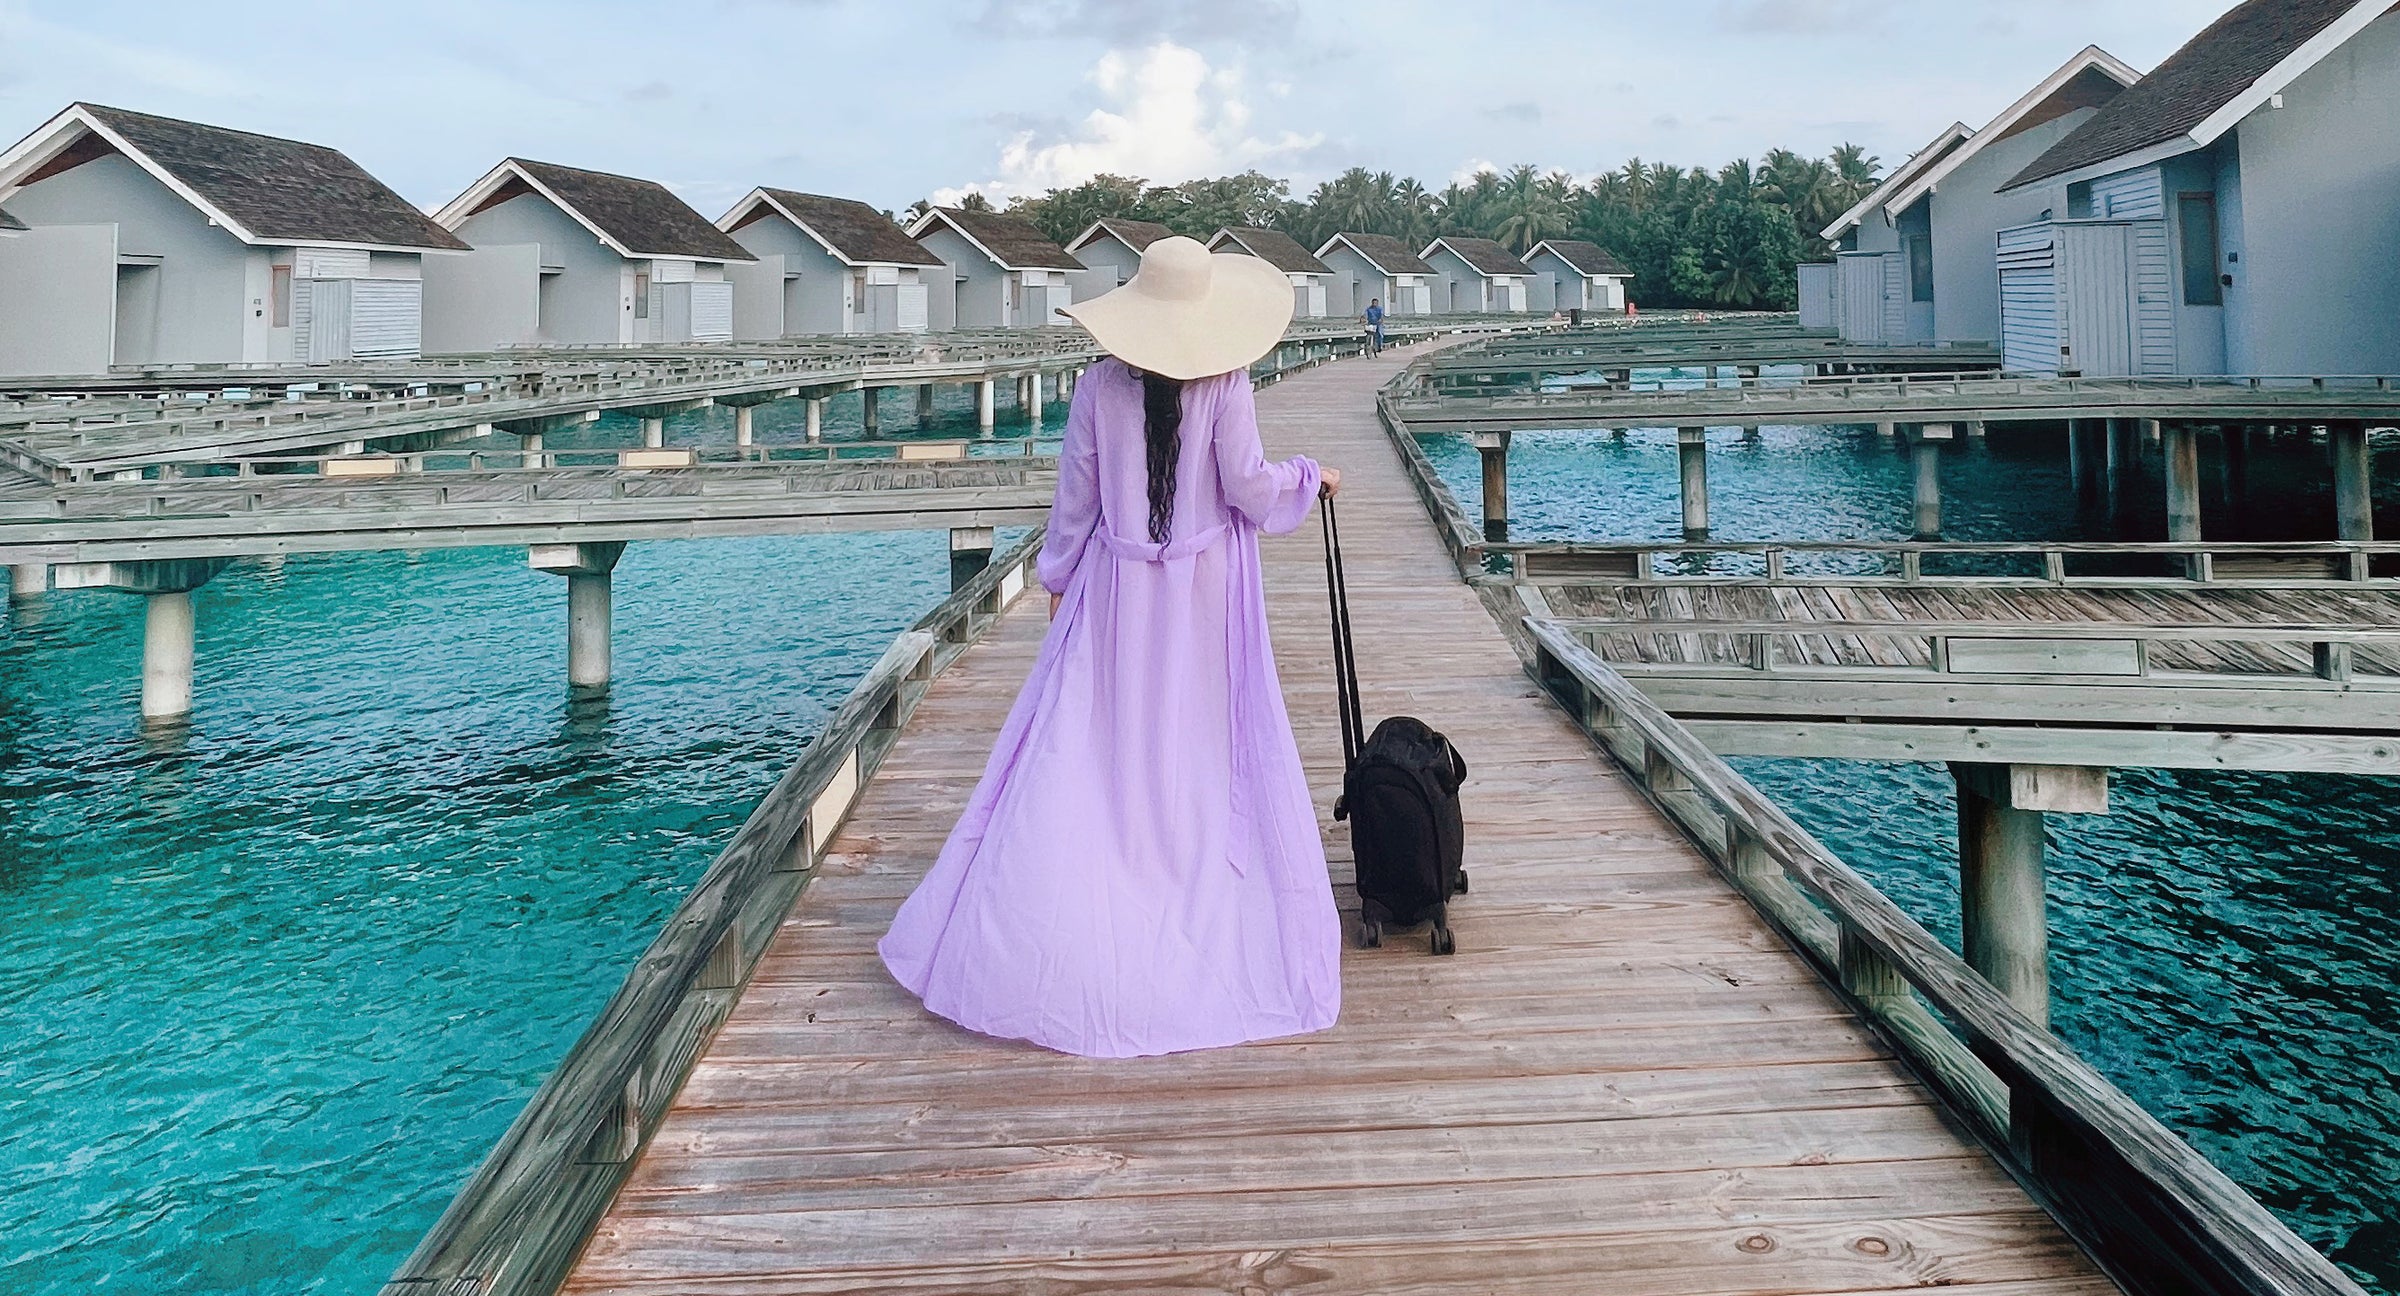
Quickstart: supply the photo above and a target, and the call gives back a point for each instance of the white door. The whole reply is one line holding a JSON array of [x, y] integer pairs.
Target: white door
[[2095, 271], [328, 320], [1862, 297]]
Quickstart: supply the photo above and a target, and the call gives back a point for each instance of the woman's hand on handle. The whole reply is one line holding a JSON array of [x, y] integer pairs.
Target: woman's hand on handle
[[1329, 482]]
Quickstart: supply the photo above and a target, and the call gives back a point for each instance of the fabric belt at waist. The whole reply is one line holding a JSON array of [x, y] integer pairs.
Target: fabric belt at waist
[[1138, 551]]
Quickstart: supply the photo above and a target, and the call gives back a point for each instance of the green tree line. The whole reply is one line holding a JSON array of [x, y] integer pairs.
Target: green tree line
[[1692, 237]]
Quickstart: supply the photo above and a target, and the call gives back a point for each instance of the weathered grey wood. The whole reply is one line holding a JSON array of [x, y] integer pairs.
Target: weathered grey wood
[[2003, 914], [1512, 1104], [520, 1220], [2122, 748], [2170, 1220], [1978, 654]]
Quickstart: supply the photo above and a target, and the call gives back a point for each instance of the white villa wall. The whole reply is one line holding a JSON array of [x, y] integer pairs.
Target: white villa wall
[[1353, 282], [1968, 215], [814, 303], [484, 299], [206, 283], [758, 297], [980, 288], [1110, 262], [589, 300], [2319, 219], [1457, 286], [60, 285]]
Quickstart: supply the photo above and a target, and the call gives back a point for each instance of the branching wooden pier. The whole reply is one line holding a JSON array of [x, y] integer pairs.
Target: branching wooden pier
[[1624, 1081]]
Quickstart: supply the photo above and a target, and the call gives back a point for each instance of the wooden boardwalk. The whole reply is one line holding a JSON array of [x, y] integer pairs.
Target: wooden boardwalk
[[1962, 609], [1622, 1083]]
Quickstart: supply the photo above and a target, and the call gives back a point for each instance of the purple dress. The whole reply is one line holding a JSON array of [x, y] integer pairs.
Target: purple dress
[[1139, 871]]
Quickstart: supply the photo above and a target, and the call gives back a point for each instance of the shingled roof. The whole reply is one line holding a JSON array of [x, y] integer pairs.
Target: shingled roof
[[1587, 258], [1135, 234], [639, 218], [1484, 255], [2209, 73], [1274, 247], [1382, 251], [262, 189], [857, 233], [1015, 242]]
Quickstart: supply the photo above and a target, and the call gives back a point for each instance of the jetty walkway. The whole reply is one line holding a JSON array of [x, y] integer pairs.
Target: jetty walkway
[[1624, 1081]]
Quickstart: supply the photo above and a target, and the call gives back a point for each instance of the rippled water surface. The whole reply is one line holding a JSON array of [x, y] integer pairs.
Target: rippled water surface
[[2225, 946], [271, 987]]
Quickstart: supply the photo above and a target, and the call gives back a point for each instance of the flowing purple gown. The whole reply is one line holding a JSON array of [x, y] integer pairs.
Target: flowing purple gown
[[1139, 871]]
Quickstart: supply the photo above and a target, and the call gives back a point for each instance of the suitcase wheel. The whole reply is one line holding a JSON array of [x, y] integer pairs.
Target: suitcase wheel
[[1460, 887], [1443, 942], [1370, 934]]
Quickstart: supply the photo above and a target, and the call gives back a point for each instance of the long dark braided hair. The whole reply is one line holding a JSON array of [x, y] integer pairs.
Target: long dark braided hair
[[1162, 436]]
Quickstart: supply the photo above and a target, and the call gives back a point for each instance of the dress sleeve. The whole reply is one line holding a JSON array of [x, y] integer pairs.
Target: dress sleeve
[[1075, 509], [1274, 496]]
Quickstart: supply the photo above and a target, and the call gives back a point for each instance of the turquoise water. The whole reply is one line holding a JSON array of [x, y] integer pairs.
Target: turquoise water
[[270, 987], [2225, 947]]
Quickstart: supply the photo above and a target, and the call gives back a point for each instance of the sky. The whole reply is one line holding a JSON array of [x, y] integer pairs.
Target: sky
[[891, 101]]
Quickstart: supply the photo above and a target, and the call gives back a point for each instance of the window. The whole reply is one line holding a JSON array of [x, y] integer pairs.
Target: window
[[279, 295], [2196, 220], [1920, 269], [641, 296]]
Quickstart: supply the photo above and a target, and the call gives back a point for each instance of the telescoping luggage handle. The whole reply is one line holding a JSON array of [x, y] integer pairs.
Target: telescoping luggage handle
[[1345, 654]]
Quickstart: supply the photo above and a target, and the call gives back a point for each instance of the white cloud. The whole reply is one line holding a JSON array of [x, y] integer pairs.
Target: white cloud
[[1166, 116], [1472, 168]]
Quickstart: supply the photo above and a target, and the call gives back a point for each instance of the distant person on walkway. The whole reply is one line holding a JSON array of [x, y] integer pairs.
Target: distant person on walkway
[[1375, 326], [1140, 871]]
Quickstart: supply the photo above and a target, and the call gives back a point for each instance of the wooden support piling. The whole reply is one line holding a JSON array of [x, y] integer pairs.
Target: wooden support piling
[[1925, 454], [1493, 446], [2182, 453], [2353, 482], [1691, 452]]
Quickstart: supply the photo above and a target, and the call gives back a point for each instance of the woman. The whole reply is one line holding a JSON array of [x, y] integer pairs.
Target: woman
[[1139, 871]]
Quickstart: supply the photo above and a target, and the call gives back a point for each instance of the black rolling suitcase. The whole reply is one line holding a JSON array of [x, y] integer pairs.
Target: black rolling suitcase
[[1399, 795]]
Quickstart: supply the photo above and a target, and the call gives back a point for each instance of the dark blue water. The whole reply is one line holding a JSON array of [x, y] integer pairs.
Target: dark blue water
[[271, 987], [2225, 946]]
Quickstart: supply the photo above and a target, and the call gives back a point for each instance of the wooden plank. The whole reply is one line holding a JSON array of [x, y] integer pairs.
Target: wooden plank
[[2077, 657]]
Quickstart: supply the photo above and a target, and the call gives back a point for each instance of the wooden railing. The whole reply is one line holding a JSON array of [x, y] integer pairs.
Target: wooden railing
[[2155, 1212], [516, 1227], [2095, 653], [1918, 562]]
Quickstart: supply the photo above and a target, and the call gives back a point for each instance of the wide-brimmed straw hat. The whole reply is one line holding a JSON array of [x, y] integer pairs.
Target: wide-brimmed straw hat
[[1190, 313]]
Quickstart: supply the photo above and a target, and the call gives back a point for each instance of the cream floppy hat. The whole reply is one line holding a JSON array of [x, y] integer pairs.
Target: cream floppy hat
[[1190, 313]]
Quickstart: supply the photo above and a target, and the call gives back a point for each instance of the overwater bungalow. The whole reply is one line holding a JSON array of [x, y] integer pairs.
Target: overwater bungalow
[[1310, 277], [1111, 248], [1571, 274], [1005, 272], [1376, 267], [148, 240], [1477, 276], [564, 255], [2237, 211], [826, 265], [1917, 265]]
